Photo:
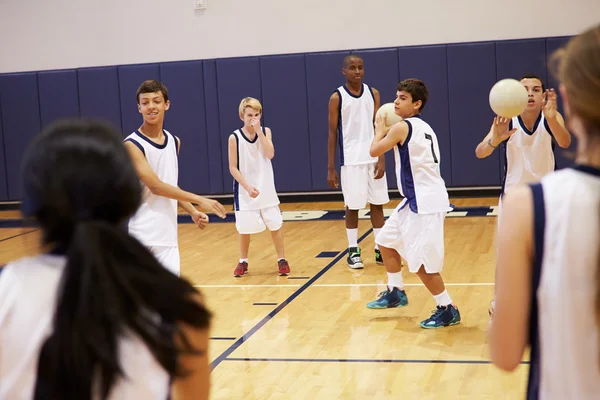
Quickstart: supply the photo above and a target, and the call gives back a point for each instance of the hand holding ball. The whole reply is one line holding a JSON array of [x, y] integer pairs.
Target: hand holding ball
[[388, 115]]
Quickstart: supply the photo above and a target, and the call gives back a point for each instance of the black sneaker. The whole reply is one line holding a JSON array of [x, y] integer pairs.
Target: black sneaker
[[354, 260], [378, 257]]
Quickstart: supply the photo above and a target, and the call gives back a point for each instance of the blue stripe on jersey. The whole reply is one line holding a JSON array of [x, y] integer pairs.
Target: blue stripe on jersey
[[539, 226], [505, 151], [535, 126], [138, 145], [587, 169], [406, 176], [236, 185], [553, 143], [158, 146], [340, 129]]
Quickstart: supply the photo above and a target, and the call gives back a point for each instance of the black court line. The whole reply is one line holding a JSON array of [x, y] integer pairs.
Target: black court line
[[359, 360], [327, 254], [276, 311], [20, 234], [265, 304], [298, 277], [223, 338]]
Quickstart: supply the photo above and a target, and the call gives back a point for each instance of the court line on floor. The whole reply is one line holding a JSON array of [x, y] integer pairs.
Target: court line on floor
[[336, 285], [360, 360], [20, 234], [276, 311]]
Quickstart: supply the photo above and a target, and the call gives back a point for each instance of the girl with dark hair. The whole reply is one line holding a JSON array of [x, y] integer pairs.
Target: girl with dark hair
[[95, 316]]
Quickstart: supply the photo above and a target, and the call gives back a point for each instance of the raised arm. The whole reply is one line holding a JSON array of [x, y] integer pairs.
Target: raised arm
[[386, 138], [498, 133], [556, 122]]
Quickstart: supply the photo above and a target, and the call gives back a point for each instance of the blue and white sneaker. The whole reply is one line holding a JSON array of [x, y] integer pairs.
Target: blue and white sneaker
[[390, 299], [442, 316]]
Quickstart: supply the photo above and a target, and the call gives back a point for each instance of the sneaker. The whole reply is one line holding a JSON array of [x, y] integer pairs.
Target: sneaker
[[442, 316], [284, 267], [241, 269], [378, 257], [354, 260], [390, 299]]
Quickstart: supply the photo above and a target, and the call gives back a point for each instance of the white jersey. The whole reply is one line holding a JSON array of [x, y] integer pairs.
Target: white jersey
[[529, 154], [155, 222], [257, 170], [418, 170], [355, 126], [28, 291], [565, 351]]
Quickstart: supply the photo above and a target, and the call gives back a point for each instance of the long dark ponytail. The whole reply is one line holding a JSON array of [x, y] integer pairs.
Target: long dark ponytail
[[81, 186]]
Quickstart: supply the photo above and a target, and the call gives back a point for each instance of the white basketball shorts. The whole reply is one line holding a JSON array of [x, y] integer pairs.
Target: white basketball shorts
[[360, 187], [418, 238], [248, 222]]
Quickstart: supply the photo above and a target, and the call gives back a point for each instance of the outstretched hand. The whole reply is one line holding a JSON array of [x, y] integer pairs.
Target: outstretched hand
[[549, 108], [214, 206], [500, 131]]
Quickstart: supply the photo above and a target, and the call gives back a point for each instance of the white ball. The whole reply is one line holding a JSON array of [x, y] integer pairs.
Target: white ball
[[508, 98], [389, 116]]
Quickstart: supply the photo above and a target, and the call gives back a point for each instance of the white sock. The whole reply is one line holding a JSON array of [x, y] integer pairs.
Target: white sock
[[279, 259], [443, 299], [395, 280], [352, 237], [375, 233], [243, 260]]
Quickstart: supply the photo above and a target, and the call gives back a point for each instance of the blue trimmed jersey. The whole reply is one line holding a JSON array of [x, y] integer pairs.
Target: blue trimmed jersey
[[418, 170]]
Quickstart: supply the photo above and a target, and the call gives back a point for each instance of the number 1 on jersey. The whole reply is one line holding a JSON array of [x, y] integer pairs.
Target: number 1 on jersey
[[428, 137]]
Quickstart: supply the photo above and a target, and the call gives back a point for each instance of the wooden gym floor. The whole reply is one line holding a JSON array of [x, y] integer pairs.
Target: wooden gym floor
[[310, 335]]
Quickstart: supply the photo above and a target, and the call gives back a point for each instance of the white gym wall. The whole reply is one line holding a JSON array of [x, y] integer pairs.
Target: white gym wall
[[56, 34]]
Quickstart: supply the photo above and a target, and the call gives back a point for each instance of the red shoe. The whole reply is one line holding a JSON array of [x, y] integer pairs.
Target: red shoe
[[241, 269], [284, 267]]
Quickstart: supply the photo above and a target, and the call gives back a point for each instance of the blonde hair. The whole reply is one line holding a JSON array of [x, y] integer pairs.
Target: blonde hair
[[579, 71], [250, 102]]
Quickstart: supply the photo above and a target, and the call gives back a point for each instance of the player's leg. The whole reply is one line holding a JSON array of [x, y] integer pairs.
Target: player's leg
[[354, 188], [391, 243], [274, 221], [247, 222], [377, 196], [428, 234]]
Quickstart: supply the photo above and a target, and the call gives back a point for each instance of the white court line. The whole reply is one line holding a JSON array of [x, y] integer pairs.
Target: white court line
[[339, 285]]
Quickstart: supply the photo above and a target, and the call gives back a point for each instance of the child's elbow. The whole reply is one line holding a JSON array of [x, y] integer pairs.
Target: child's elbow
[[508, 364]]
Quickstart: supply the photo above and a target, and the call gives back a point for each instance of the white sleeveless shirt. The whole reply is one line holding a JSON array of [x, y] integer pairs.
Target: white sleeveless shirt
[[567, 242], [155, 222], [418, 170], [529, 154], [257, 170], [28, 291], [355, 126]]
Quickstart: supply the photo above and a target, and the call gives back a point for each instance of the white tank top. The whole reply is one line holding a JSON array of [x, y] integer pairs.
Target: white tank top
[[155, 222], [565, 351], [418, 170], [257, 171], [355, 126], [529, 154], [28, 290]]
